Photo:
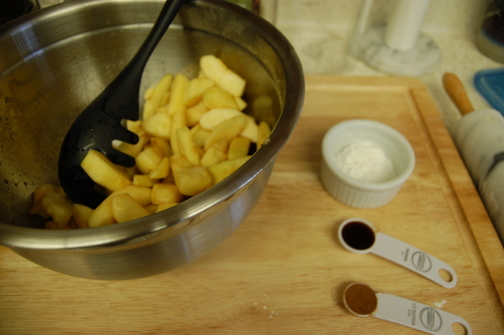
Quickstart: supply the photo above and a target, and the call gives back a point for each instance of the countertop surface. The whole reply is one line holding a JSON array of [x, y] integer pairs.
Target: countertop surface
[[283, 270]]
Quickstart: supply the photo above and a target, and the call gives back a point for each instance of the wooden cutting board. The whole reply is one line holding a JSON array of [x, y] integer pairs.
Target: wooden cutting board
[[283, 271]]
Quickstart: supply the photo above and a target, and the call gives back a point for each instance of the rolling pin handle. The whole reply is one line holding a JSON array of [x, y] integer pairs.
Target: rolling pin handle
[[457, 93]]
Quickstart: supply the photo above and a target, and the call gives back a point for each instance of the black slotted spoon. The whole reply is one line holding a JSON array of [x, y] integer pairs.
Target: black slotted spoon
[[102, 121]]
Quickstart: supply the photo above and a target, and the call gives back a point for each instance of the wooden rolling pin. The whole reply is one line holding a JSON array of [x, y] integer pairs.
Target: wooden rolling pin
[[457, 93], [479, 137]]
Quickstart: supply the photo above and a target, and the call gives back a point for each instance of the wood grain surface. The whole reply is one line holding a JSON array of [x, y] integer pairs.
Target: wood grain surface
[[283, 271]]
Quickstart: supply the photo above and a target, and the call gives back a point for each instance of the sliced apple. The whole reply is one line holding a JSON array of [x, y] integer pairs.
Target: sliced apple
[[177, 95], [104, 172], [226, 130], [215, 69], [216, 116], [223, 169]]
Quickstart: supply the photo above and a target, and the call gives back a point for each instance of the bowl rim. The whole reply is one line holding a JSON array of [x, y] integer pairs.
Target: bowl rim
[[34, 238]]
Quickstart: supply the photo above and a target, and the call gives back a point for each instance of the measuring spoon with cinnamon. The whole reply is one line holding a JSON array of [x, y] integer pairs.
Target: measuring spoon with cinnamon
[[359, 299]]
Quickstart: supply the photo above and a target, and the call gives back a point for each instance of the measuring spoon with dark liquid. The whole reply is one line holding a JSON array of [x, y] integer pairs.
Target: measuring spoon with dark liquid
[[359, 236], [361, 300]]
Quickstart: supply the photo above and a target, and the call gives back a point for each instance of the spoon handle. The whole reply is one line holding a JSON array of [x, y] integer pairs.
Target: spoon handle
[[414, 259], [127, 82], [417, 315], [165, 18], [134, 69]]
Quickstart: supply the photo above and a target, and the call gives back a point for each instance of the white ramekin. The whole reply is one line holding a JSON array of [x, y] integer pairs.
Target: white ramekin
[[353, 192]]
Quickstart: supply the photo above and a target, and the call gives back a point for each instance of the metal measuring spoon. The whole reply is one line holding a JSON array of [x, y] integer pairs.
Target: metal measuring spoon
[[361, 300], [359, 236]]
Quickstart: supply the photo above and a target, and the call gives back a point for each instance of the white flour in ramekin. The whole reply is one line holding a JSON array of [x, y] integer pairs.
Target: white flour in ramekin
[[364, 161]]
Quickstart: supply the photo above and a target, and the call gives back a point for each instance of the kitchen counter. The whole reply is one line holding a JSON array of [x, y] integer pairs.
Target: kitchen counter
[[283, 270]]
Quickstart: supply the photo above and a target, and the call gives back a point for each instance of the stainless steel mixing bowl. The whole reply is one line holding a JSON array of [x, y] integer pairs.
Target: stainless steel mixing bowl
[[55, 61]]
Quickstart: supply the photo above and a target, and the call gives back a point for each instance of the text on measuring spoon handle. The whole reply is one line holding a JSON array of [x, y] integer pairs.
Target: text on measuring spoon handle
[[417, 315], [414, 259]]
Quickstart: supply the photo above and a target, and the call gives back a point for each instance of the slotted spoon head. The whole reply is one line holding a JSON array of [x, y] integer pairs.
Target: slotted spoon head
[[102, 121], [95, 129]]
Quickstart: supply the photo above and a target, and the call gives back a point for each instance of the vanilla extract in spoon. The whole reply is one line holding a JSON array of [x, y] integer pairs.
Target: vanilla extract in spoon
[[359, 236]]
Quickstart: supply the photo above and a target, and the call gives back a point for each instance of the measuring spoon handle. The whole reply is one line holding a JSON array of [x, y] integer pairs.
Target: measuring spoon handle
[[417, 315], [414, 259]]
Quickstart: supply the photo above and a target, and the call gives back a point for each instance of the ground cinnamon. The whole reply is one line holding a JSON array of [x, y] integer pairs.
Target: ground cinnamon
[[360, 299]]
